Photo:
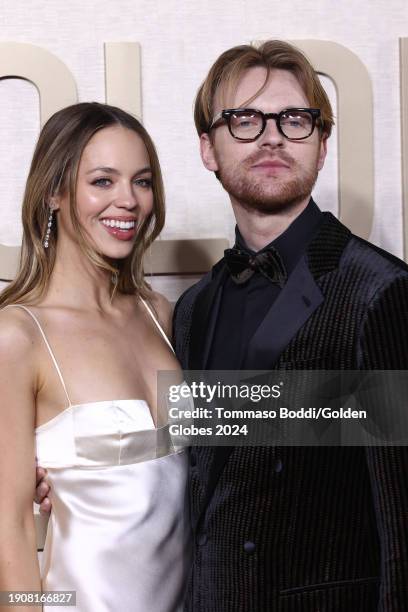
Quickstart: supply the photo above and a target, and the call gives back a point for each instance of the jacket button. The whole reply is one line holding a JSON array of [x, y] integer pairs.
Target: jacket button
[[278, 465], [202, 539], [249, 547]]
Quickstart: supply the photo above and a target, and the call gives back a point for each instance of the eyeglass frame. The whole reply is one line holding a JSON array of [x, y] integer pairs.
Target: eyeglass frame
[[226, 115]]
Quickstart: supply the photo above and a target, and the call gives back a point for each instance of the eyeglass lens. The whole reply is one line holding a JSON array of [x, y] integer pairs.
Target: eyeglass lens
[[295, 124]]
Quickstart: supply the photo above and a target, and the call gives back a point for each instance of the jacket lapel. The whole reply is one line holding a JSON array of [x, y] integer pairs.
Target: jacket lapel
[[297, 301]]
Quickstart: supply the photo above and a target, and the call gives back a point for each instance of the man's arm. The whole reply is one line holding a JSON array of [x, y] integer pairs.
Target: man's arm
[[384, 346], [42, 491]]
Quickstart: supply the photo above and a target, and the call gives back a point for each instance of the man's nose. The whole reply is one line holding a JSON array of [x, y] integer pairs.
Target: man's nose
[[271, 136]]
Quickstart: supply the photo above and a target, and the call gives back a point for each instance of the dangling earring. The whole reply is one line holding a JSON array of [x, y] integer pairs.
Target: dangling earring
[[115, 278], [48, 232], [114, 281]]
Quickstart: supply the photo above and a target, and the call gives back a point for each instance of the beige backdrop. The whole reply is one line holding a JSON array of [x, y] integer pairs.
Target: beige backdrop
[[178, 42], [179, 39]]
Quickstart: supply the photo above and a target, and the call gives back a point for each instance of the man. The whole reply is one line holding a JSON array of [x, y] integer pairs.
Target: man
[[288, 528], [291, 528]]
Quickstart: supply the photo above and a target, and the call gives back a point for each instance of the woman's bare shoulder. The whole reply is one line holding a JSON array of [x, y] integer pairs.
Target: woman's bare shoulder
[[17, 333], [163, 309]]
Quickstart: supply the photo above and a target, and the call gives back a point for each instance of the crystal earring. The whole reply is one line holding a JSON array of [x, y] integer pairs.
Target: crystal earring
[[48, 232]]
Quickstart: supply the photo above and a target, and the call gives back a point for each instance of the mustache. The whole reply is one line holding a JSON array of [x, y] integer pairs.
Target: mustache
[[260, 157]]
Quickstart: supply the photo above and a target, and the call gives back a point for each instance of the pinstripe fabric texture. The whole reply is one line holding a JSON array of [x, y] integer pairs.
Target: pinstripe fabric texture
[[312, 529]]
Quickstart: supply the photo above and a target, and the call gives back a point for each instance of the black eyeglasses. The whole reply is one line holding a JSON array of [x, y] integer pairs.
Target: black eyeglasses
[[247, 124]]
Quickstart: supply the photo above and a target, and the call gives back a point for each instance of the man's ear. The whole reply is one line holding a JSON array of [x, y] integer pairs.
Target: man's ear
[[322, 152], [207, 153]]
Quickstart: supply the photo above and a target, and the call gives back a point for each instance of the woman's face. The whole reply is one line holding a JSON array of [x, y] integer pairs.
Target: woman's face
[[114, 192]]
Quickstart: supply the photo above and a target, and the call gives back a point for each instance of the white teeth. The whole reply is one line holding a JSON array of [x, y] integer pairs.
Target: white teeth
[[119, 224]]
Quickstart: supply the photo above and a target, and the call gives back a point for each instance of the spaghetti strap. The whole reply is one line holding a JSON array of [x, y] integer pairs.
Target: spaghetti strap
[[32, 315], [159, 327]]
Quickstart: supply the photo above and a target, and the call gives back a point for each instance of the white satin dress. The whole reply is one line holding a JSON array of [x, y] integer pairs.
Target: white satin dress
[[119, 533]]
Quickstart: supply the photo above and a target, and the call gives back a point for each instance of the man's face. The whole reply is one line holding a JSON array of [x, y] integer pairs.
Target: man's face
[[272, 173]]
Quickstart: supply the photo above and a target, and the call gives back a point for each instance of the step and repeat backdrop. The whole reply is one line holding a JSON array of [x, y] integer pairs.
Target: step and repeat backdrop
[[150, 57]]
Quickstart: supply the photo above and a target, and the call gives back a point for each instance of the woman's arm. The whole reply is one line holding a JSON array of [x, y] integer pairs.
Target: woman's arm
[[19, 568]]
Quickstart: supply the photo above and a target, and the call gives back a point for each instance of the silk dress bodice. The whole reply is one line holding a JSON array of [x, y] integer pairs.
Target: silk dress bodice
[[118, 534]]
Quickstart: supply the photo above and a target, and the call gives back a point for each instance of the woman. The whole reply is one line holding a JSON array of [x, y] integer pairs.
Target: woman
[[80, 347]]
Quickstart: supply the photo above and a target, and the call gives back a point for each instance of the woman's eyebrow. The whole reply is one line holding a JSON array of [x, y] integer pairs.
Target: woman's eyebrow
[[109, 170]]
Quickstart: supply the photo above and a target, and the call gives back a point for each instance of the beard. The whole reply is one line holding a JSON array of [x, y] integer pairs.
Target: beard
[[268, 194]]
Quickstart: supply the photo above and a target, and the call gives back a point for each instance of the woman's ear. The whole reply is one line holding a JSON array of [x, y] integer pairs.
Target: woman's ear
[[54, 202]]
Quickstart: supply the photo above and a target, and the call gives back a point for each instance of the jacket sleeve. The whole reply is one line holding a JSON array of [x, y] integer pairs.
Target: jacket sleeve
[[384, 346], [182, 318]]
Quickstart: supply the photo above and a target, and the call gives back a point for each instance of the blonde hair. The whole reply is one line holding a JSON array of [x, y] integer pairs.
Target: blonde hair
[[227, 70], [54, 170]]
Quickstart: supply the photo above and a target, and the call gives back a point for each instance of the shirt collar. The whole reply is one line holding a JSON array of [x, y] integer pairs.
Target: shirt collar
[[292, 243]]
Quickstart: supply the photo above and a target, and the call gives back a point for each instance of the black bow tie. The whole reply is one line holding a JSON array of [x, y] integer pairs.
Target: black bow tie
[[242, 265]]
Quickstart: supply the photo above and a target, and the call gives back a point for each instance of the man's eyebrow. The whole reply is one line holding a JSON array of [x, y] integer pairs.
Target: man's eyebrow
[[109, 170]]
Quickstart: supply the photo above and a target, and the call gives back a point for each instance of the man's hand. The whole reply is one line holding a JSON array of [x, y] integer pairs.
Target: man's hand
[[42, 491]]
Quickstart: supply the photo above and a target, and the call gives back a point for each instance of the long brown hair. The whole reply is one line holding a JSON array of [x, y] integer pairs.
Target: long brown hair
[[54, 170]]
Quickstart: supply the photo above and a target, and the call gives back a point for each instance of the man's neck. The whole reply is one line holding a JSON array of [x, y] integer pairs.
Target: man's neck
[[259, 229]]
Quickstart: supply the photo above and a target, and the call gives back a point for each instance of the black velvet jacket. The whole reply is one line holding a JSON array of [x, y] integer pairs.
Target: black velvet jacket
[[305, 528]]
